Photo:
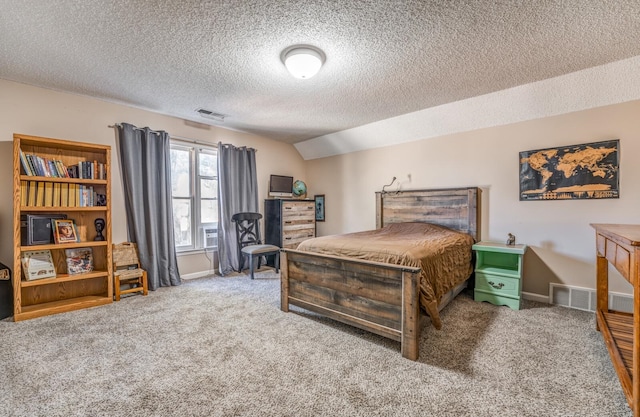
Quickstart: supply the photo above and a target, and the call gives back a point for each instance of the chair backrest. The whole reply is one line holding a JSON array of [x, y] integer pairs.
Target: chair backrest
[[247, 228], [125, 255]]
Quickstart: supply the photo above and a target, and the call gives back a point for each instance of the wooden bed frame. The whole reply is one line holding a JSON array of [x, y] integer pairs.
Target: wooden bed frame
[[377, 297]]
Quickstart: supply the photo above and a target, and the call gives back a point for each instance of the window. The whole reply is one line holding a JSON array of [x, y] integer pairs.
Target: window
[[194, 190]]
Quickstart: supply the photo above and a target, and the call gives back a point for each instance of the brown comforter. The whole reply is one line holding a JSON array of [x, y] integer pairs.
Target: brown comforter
[[444, 255]]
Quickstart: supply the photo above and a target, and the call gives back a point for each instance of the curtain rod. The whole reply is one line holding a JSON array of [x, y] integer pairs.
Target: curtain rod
[[197, 142]]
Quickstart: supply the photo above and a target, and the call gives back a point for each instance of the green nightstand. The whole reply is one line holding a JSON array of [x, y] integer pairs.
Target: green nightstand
[[499, 273]]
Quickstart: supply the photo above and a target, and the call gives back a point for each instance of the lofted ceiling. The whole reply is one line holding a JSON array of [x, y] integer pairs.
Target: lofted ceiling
[[383, 58]]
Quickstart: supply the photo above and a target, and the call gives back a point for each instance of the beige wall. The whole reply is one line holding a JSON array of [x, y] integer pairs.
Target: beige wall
[[558, 233], [40, 112]]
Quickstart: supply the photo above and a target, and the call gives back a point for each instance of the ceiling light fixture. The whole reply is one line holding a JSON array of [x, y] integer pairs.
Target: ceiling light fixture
[[303, 61]]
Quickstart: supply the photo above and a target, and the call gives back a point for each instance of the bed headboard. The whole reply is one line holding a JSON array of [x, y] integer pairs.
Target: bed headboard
[[456, 208]]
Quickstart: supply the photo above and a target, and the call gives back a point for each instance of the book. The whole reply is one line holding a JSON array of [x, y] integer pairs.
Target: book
[[32, 164], [56, 194], [64, 194], [40, 194], [79, 260], [31, 201], [52, 168], [25, 164], [37, 264], [73, 190], [24, 192], [64, 231], [48, 194]]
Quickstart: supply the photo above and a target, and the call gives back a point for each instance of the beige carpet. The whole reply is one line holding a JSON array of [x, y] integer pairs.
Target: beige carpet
[[222, 347]]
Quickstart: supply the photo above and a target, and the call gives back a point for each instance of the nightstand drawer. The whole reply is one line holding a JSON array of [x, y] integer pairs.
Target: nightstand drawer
[[498, 285]]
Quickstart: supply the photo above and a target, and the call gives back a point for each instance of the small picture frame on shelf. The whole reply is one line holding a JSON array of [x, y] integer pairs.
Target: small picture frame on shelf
[[101, 200], [79, 260], [64, 231], [319, 200]]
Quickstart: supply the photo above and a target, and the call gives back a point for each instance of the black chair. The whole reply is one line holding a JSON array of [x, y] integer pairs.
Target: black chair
[[249, 243]]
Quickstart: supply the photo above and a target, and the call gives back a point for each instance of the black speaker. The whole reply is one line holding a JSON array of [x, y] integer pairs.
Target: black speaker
[[36, 229], [6, 292]]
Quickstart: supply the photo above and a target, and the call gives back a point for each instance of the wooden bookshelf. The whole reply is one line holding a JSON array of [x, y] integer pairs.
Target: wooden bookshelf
[[65, 292]]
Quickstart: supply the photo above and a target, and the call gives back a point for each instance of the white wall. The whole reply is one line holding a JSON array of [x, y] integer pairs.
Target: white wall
[[40, 112], [562, 244]]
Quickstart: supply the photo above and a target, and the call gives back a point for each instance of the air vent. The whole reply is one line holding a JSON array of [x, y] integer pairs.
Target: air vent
[[585, 298], [209, 114]]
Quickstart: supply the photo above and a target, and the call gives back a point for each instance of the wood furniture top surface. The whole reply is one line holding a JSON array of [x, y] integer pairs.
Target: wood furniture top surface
[[628, 233], [500, 247]]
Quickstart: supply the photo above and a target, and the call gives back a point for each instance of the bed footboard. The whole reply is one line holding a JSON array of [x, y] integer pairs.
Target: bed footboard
[[377, 297]]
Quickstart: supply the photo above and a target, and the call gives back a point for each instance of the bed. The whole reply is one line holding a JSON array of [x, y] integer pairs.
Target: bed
[[382, 293]]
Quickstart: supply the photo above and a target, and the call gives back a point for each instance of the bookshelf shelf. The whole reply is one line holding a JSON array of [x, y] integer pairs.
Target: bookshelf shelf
[[65, 292], [62, 180], [65, 278], [61, 208], [61, 306]]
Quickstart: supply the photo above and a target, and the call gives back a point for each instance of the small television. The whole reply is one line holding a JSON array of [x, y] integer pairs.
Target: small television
[[280, 186]]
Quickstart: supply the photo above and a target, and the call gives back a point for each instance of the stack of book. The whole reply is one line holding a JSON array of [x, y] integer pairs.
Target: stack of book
[[55, 194], [35, 165]]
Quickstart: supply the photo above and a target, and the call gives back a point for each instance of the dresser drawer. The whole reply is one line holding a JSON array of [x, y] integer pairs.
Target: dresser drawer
[[293, 225], [291, 238], [498, 285], [293, 211]]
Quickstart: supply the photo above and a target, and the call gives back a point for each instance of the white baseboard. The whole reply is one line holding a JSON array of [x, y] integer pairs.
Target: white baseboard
[[195, 275], [535, 297]]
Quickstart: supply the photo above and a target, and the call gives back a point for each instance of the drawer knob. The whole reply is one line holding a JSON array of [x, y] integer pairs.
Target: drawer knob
[[496, 286]]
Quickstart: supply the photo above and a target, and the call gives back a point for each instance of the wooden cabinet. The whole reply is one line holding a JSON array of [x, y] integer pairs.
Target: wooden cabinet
[[619, 245], [83, 200], [289, 222], [499, 273]]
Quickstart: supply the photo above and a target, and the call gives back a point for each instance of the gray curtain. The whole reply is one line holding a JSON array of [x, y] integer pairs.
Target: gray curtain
[[145, 162], [237, 192]]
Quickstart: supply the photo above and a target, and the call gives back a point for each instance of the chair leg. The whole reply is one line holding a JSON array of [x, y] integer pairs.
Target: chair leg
[[241, 260], [116, 285], [145, 285], [277, 262], [251, 265]]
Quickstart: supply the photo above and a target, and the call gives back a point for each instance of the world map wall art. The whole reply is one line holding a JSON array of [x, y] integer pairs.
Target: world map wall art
[[571, 172]]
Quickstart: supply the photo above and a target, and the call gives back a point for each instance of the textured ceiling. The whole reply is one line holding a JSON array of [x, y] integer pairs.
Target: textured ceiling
[[384, 58]]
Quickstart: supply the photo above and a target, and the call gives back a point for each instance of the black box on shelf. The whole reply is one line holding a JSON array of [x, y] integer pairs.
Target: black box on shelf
[[36, 229]]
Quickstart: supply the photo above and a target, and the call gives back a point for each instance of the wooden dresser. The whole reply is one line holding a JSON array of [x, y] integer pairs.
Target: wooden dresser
[[288, 222], [619, 245]]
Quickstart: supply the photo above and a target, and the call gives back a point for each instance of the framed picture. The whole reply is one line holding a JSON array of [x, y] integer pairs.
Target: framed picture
[[64, 231], [573, 172], [319, 199]]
